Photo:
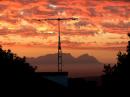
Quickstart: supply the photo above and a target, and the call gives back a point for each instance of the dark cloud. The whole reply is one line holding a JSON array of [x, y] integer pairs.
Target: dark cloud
[[90, 3], [2, 7], [36, 11], [116, 43], [53, 1], [92, 12], [4, 31], [26, 31], [117, 0], [49, 13], [127, 11], [119, 25], [123, 0], [70, 43], [31, 11], [113, 9], [91, 32], [9, 19], [82, 23], [118, 10], [81, 32], [25, 1]]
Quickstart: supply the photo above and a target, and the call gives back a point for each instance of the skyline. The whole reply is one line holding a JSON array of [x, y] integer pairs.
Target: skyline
[[102, 27]]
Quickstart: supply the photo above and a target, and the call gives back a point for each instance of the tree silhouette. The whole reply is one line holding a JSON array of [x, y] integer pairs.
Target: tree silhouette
[[18, 76], [118, 74], [15, 72]]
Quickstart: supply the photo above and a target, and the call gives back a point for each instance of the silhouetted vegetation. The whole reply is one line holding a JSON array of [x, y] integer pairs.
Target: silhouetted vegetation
[[19, 77], [118, 76], [16, 75], [14, 66]]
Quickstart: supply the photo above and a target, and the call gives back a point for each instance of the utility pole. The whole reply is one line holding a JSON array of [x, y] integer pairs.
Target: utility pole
[[59, 37]]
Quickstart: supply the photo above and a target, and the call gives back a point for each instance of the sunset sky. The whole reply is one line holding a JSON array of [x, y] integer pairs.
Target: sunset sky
[[100, 30]]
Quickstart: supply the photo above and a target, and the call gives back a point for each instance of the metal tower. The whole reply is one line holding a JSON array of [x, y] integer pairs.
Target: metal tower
[[59, 38]]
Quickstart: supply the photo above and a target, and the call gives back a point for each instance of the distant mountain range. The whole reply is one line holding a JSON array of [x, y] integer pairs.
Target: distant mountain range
[[67, 59], [82, 66]]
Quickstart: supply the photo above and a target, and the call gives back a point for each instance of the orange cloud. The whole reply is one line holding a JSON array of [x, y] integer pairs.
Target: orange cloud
[[98, 20]]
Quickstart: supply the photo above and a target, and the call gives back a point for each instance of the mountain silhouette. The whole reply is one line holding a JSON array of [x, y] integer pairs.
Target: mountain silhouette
[[84, 65], [67, 59], [87, 59]]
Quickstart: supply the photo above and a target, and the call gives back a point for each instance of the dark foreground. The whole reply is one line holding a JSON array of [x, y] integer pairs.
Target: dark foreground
[[77, 87]]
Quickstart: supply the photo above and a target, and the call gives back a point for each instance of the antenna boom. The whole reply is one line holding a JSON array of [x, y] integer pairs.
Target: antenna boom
[[59, 39]]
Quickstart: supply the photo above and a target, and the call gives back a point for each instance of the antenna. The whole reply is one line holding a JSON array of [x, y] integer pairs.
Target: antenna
[[59, 37]]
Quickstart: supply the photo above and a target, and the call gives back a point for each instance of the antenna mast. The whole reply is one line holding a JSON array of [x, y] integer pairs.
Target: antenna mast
[[59, 38]]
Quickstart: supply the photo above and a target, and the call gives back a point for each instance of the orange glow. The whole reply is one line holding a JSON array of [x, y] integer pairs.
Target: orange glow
[[101, 24]]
